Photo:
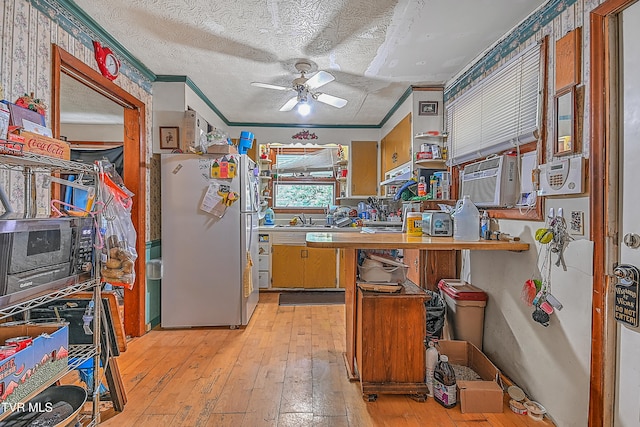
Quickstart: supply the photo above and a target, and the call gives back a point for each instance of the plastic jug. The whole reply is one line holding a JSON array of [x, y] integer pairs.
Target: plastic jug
[[444, 383], [432, 360], [269, 216], [466, 221]]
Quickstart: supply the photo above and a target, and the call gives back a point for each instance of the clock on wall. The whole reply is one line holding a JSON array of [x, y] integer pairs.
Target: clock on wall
[[108, 64]]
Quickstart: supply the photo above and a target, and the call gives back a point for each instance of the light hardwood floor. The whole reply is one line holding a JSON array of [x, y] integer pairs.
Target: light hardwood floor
[[285, 369]]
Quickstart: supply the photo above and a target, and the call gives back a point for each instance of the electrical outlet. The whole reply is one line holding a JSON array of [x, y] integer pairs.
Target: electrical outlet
[[576, 224]]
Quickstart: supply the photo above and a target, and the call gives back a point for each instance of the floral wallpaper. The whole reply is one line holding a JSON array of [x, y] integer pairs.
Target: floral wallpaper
[[28, 29], [553, 20]]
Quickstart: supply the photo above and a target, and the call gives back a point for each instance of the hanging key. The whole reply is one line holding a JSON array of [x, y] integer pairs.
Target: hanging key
[[560, 251]]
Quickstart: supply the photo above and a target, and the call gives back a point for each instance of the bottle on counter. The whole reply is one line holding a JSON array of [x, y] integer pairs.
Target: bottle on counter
[[444, 383], [269, 216], [485, 226], [422, 187], [432, 360]]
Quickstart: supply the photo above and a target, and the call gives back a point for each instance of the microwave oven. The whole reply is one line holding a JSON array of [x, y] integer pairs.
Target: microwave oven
[[36, 254]]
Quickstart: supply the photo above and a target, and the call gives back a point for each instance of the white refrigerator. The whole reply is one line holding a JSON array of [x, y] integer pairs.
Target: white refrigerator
[[204, 257]]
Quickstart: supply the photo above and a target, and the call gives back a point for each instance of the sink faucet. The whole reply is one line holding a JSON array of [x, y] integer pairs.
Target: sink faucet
[[301, 218]]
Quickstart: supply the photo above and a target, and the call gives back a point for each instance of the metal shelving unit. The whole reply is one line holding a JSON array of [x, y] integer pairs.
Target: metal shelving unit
[[78, 354]]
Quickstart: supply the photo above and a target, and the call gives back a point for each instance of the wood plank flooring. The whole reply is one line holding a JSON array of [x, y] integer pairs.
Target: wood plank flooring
[[284, 369]]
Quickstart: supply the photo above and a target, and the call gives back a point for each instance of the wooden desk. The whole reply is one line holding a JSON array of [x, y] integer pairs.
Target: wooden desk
[[441, 264]]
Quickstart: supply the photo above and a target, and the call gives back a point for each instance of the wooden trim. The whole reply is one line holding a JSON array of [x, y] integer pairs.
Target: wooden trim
[[134, 167], [506, 213], [568, 59], [134, 155], [603, 328], [596, 206]]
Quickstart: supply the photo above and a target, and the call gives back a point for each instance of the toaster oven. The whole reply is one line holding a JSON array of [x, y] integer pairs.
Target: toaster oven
[[437, 223]]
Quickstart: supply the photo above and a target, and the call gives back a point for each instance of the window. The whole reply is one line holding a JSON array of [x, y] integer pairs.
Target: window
[[304, 176], [304, 194], [501, 112]]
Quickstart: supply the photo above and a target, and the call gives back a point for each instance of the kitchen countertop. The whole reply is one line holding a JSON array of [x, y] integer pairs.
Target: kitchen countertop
[[306, 228], [404, 241]]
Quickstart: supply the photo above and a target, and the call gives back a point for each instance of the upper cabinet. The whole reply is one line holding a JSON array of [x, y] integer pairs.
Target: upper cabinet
[[395, 147], [364, 176]]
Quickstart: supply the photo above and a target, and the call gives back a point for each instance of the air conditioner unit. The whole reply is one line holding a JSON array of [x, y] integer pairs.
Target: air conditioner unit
[[492, 182], [194, 126]]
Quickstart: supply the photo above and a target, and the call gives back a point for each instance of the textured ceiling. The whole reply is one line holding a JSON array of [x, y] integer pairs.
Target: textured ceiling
[[375, 49]]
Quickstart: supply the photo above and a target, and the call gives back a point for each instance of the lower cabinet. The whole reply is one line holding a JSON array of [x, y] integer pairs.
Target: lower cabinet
[[390, 342], [415, 260], [302, 267], [426, 271]]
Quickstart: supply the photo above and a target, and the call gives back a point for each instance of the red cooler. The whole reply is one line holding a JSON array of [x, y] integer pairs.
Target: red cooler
[[465, 310]]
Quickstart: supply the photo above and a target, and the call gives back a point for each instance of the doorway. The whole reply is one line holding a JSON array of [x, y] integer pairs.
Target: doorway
[[133, 145], [615, 378]]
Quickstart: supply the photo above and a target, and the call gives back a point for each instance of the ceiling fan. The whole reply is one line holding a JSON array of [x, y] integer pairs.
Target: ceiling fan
[[305, 87]]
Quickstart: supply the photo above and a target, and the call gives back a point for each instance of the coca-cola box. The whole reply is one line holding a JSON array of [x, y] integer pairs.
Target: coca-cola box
[[40, 144], [43, 361]]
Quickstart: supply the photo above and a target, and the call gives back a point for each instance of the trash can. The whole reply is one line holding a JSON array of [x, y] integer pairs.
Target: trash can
[[435, 315], [465, 309]]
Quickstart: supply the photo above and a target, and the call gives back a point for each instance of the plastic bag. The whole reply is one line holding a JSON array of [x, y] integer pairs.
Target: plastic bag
[[436, 310], [118, 253]]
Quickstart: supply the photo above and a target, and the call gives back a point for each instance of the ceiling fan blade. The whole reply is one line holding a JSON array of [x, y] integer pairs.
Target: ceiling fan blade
[[331, 100], [269, 86], [320, 78], [290, 104]]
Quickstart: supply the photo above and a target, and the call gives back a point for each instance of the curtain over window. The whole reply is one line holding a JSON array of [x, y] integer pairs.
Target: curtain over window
[[500, 112]]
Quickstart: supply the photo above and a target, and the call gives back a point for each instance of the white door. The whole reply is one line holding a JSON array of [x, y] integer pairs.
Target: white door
[[627, 401]]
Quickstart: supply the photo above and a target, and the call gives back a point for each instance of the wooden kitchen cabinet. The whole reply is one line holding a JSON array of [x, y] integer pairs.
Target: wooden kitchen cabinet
[[390, 342], [302, 267], [364, 172], [412, 258], [426, 271], [395, 147]]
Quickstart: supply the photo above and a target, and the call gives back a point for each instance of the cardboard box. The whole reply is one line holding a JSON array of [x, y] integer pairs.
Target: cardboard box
[[475, 396], [222, 149], [37, 364], [40, 144]]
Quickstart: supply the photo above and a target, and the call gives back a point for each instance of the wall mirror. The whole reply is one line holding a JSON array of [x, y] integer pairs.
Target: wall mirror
[[564, 141]]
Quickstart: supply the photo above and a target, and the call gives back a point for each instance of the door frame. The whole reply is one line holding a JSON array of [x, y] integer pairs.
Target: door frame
[[134, 165], [603, 190]]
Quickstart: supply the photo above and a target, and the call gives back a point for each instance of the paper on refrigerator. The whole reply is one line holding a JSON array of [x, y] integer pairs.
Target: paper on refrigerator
[[212, 202]]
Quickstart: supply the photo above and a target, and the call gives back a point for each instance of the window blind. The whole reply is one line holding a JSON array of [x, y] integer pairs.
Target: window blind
[[501, 112]]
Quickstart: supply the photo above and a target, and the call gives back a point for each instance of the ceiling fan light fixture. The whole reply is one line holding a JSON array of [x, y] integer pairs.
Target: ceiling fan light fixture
[[304, 108]]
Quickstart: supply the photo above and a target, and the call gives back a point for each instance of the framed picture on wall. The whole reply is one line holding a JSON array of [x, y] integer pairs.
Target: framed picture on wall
[[428, 108], [169, 137]]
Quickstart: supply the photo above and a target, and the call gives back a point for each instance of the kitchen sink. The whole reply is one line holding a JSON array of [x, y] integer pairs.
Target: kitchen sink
[[303, 226]]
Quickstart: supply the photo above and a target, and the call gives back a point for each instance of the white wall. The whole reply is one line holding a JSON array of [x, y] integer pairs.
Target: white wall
[[101, 133], [550, 363]]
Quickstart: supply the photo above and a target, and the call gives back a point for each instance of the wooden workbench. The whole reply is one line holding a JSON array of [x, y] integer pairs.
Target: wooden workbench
[[441, 263]]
